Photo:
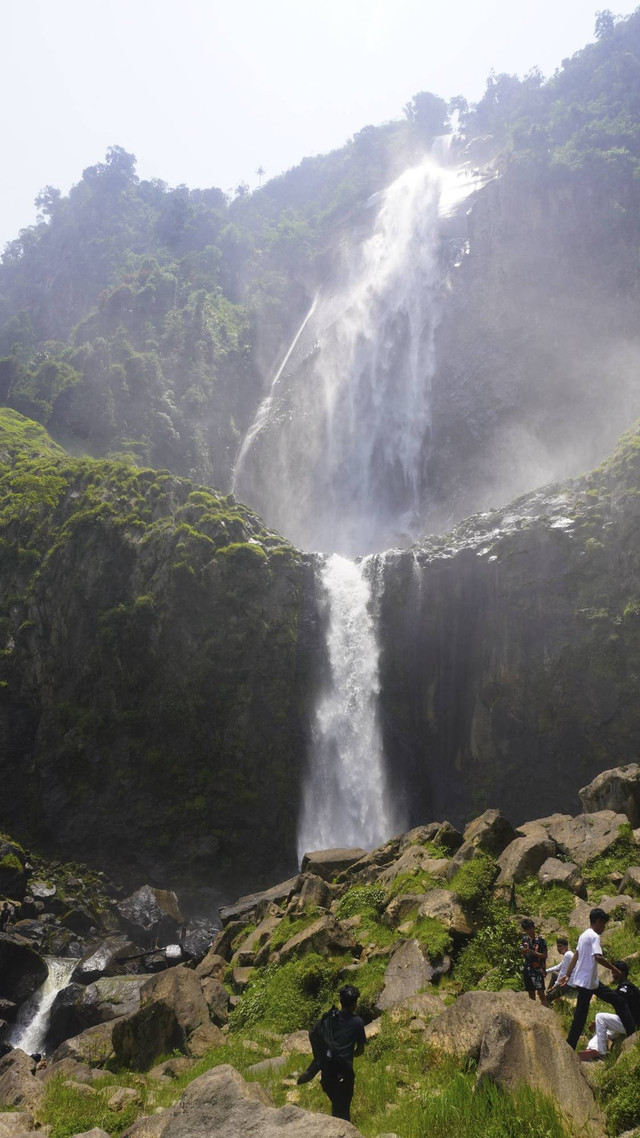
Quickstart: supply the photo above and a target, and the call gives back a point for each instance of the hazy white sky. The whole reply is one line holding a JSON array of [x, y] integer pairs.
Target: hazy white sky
[[205, 91]]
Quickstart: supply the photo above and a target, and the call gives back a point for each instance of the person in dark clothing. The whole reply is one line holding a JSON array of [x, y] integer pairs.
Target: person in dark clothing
[[347, 1041], [534, 950], [625, 999]]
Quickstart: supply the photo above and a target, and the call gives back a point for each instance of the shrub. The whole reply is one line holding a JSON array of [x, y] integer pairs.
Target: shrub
[[473, 881], [545, 900], [495, 950], [288, 997], [366, 900]]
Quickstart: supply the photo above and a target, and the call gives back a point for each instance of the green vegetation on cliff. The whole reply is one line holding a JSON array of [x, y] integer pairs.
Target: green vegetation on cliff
[[149, 663]]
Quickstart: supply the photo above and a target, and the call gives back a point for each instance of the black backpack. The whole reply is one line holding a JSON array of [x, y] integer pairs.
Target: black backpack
[[321, 1037]]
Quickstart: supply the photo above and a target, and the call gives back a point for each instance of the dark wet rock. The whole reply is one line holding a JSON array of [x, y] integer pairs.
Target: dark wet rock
[[34, 931], [617, 790], [249, 907], [65, 1018], [13, 875], [22, 969], [108, 957], [140, 1039], [329, 863], [8, 1009], [151, 916]]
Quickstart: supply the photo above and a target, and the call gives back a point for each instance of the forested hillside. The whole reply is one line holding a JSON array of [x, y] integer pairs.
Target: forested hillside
[[145, 320]]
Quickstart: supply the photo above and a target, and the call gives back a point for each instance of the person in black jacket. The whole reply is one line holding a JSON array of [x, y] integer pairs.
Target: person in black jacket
[[625, 999], [346, 1040]]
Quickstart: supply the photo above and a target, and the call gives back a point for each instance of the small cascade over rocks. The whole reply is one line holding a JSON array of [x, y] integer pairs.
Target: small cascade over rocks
[[30, 1030], [346, 799], [337, 456]]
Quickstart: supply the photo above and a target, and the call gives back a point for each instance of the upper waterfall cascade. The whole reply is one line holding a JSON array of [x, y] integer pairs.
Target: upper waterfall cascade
[[336, 457]]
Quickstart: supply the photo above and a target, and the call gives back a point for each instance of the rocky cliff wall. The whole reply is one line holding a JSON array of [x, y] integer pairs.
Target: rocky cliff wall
[[154, 674], [511, 648]]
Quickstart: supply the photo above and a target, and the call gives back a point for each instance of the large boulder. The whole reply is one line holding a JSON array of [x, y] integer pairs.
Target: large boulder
[[329, 863], [150, 916], [217, 999], [563, 873], [442, 905], [588, 835], [516, 1041], [93, 1047], [172, 1008], [491, 832], [22, 969], [18, 1084], [326, 936], [313, 893], [407, 972], [617, 790], [220, 1104], [631, 881], [245, 954], [523, 858], [13, 875]]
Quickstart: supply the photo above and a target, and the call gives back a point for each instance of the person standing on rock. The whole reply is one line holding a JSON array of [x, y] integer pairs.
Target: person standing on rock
[[347, 1040], [582, 972], [534, 950]]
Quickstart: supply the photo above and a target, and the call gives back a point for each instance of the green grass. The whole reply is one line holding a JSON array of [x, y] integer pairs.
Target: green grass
[[494, 954], [419, 881], [536, 900], [71, 1110], [288, 997], [472, 882], [619, 1092], [619, 857]]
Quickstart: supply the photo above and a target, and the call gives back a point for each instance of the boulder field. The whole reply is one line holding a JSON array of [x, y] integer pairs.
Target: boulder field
[[427, 926]]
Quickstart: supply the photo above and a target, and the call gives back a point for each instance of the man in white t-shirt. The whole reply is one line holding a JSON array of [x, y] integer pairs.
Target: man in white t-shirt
[[582, 972]]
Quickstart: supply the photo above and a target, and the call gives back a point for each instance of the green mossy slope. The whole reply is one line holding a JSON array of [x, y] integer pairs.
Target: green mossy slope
[[151, 686]]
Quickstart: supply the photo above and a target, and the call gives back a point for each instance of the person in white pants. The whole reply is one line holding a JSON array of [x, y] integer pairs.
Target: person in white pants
[[608, 1026]]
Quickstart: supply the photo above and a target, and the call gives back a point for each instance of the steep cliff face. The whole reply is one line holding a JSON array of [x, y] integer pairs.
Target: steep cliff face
[[511, 648], [154, 673], [537, 351]]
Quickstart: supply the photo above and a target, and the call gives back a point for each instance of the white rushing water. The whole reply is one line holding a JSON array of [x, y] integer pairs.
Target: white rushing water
[[29, 1032], [337, 456], [346, 800]]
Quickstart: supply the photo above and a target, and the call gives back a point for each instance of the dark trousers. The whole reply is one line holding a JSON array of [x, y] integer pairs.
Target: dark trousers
[[338, 1085], [580, 1014]]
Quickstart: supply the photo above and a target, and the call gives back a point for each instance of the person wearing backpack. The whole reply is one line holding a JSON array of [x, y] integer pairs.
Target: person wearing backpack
[[335, 1040]]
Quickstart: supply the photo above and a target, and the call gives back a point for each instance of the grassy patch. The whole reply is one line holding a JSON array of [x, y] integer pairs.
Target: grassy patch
[[288, 997], [75, 1109], [623, 853], [493, 954], [538, 900], [419, 881], [473, 881]]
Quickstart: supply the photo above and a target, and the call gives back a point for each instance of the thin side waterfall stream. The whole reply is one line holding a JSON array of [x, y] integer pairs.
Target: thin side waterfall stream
[[30, 1030], [346, 797]]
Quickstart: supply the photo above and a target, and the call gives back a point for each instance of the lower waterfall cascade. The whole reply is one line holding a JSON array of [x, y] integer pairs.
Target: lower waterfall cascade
[[30, 1030], [346, 799]]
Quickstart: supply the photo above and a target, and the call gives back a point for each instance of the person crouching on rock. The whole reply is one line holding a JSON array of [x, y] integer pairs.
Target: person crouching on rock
[[534, 950], [608, 1025], [336, 1039]]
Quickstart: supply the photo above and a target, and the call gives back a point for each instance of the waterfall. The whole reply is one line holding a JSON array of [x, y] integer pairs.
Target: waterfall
[[346, 800], [337, 456], [30, 1030]]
